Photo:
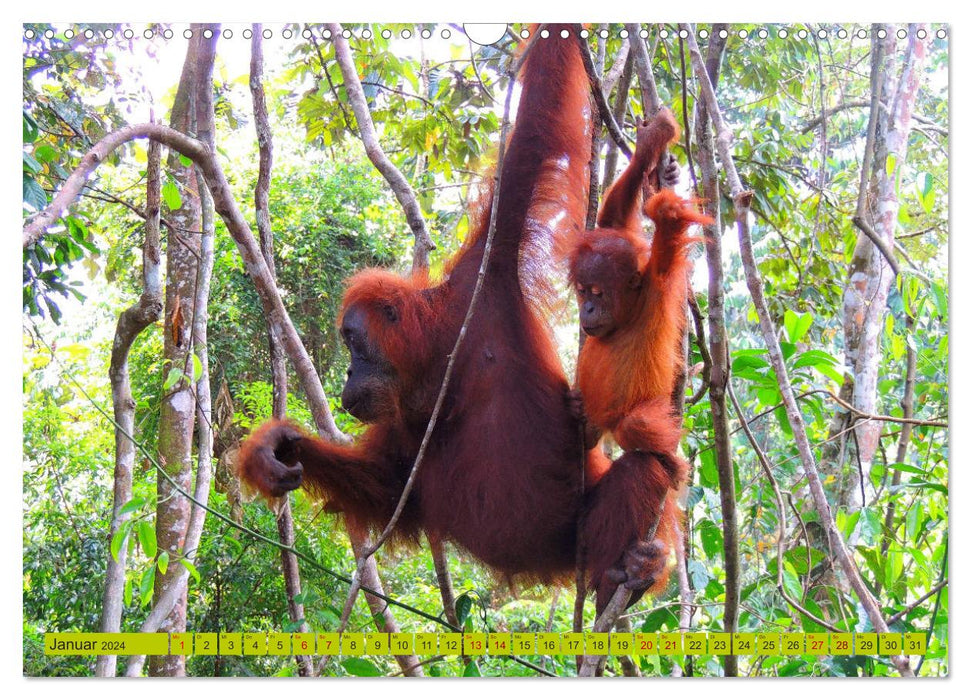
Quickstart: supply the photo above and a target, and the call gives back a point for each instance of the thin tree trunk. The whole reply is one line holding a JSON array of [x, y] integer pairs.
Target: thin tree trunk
[[620, 109], [903, 442], [686, 598], [131, 323], [742, 200], [873, 268], [177, 420], [171, 598], [596, 144], [278, 366], [444, 579], [642, 65], [381, 612], [718, 344]]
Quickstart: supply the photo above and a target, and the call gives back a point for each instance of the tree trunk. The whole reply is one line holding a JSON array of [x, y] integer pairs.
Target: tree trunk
[[278, 360], [718, 339], [871, 272], [177, 421], [131, 323]]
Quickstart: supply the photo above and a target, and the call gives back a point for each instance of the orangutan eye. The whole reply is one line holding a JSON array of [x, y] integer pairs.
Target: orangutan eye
[[580, 288], [596, 291]]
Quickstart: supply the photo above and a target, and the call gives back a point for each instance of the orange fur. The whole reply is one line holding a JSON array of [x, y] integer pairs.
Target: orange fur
[[500, 475], [627, 377]]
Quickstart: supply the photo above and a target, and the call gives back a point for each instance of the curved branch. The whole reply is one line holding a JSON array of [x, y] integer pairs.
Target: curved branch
[[372, 146], [229, 211], [132, 321]]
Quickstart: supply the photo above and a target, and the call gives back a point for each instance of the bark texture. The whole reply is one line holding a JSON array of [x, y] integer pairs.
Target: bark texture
[[131, 323]]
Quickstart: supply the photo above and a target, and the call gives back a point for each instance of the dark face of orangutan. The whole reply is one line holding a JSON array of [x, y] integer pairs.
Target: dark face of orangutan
[[369, 388]]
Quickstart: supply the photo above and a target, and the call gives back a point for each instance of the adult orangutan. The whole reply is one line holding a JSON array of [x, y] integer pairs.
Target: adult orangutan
[[501, 475]]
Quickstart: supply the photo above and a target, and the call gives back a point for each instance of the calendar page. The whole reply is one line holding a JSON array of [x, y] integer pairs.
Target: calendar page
[[485, 350]]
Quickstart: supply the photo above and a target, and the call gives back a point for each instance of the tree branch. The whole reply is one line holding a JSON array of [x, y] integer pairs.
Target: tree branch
[[278, 367], [718, 360], [598, 95], [372, 146], [131, 323], [642, 65], [229, 211]]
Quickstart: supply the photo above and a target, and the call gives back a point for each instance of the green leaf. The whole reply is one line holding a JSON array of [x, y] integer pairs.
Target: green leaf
[[34, 194], [796, 557], [790, 581], [196, 368], [463, 604], [126, 596], [695, 494], [163, 561], [846, 522], [874, 561], [191, 568], [291, 626], [891, 163], [871, 525], [185, 160], [711, 538], [360, 667], [908, 468], [814, 358], [940, 298], [769, 396], [147, 585], [803, 323], [30, 129], [146, 538], [175, 374], [658, 619], [790, 320], [118, 539], [709, 470], [746, 359], [699, 574], [925, 191], [926, 485], [894, 567], [822, 361], [471, 671], [45, 153], [132, 505], [31, 164], [171, 195], [914, 519]]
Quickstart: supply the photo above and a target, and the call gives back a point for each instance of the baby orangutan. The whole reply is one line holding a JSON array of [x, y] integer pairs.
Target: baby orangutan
[[631, 297]]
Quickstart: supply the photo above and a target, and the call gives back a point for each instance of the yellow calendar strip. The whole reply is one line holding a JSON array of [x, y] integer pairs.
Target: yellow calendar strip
[[491, 644], [94, 644]]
